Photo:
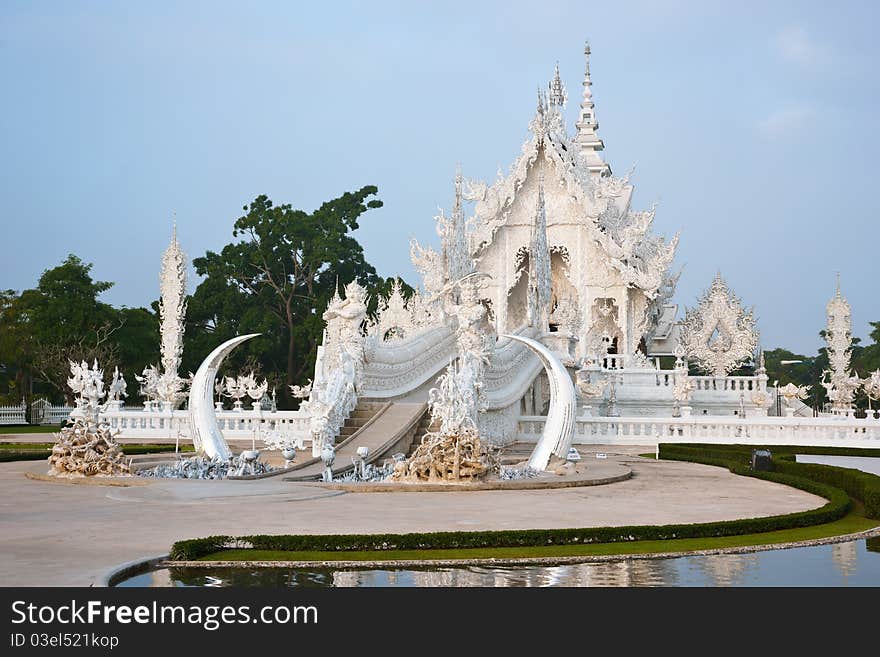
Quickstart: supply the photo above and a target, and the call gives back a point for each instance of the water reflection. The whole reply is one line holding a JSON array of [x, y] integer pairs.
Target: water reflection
[[845, 558], [727, 569], [856, 563]]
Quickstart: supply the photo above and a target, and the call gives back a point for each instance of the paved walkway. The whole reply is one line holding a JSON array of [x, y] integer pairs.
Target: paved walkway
[[54, 533]]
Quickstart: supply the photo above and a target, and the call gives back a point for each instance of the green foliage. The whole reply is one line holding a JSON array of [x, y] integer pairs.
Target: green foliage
[[809, 372], [276, 280], [63, 319], [39, 451]]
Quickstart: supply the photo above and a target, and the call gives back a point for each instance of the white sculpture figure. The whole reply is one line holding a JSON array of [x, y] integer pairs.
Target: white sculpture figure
[[149, 381], [117, 388], [472, 339], [838, 382], [236, 388], [790, 392], [449, 403], [429, 264], [220, 391], [207, 437], [172, 311], [345, 318], [88, 388], [682, 390], [871, 386], [761, 399], [682, 386], [255, 390], [328, 456], [301, 392], [719, 334], [589, 385], [559, 427], [454, 452]]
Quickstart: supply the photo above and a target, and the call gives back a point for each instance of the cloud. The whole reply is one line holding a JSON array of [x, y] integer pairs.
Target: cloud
[[797, 47], [787, 121]]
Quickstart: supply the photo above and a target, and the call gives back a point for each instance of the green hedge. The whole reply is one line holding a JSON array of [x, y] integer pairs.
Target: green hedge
[[40, 452], [836, 508], [834, 484]]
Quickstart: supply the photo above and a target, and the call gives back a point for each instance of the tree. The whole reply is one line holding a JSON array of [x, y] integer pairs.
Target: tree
[[279, 277], [62, 319]]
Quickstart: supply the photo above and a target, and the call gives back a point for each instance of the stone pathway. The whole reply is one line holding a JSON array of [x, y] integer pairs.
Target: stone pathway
[[59, 534]]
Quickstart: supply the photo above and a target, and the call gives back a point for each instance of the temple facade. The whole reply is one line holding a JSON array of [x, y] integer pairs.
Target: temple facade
[[565, 249], [553, 251]]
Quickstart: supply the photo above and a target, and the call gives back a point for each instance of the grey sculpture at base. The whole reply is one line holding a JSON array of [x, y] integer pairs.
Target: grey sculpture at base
[[207, 437], [559, 427]]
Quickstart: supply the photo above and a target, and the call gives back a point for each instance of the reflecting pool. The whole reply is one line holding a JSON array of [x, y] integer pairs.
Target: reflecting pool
[[855, 563]]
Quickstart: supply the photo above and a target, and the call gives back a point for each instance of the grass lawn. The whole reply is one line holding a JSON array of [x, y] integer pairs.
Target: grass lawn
[[30, 428], [849, 524]]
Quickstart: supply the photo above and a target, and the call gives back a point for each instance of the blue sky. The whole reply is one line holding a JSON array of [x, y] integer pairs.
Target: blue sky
[[753, 125]]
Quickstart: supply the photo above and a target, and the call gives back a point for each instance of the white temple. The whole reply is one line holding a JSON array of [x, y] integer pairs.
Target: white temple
[[546, 272], [555, 251]]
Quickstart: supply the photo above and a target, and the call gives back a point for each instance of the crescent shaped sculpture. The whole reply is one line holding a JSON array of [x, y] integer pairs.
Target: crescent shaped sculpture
[[207, 437], [559, 427]]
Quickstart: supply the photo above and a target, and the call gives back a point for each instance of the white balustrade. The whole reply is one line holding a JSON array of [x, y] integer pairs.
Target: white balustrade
[[725, 383], [14, 414], [648, 430], [161, 424]]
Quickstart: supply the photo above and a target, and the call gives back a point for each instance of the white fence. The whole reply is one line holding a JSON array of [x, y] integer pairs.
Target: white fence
[[820, 431], [42, 412], [14, 414], [174, 425]]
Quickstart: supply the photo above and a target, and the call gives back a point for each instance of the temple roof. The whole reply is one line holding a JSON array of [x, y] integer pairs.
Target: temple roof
[[602, 200]]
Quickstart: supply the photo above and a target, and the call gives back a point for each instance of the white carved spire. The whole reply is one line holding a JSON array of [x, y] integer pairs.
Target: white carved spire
[[172, 311], [586, 138], [539, 265], [455, 256], [838, 335], [457, 251], [558, 96]]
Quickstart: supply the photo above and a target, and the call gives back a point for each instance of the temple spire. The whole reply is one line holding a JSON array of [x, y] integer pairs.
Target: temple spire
[[172, 319], [539, 265], [557, 96], [459, 262], [586, 137]]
